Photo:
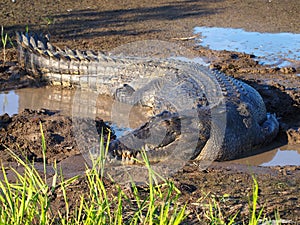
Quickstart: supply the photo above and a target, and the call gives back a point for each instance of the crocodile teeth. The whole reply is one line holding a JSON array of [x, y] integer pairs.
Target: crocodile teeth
[[126, 154], [128, 157]]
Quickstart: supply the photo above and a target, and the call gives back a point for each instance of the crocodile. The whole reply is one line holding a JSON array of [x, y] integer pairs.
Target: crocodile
[[198, 113]]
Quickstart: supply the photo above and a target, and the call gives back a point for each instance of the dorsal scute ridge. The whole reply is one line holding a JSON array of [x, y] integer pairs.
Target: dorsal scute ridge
[[18, 37], [24, 40], [32, 42], [71, 54], [93, 56], [56, 56], [83, 56], [41, 45], [50, 46]]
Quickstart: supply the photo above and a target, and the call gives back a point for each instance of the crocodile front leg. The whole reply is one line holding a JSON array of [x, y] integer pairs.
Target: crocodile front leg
[[124, 94], [147, 95]]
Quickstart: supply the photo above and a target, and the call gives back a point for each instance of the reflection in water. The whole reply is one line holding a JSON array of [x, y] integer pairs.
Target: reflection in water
[[280, 49], [62, 99], [285, 155], [9, 103], [49, 98], [283, 158]]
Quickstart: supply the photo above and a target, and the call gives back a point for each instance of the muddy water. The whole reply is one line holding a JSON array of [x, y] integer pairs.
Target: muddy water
[[61, 99], [276, 49], [281, 156], [16, 101]]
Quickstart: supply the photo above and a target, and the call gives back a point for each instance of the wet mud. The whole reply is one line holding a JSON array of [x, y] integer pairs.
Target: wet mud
[[89, 26]]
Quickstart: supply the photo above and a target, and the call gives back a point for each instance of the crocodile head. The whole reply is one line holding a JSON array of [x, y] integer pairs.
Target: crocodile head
[[163, 137]]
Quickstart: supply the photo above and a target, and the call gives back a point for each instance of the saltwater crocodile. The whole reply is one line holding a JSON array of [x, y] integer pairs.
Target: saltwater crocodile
[[214, 116]]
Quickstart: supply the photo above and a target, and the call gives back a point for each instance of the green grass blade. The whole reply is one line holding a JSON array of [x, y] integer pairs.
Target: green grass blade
[[43, 150]]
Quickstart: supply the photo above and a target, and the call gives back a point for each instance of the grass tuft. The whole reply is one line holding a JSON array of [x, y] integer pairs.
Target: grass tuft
[[4, 38], [27, 199], [255, 218]]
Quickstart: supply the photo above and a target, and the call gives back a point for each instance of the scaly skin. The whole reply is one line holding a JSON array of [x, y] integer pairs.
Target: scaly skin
[[199, 114]]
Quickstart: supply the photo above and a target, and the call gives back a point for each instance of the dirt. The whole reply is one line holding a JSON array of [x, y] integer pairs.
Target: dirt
[[104, 25]]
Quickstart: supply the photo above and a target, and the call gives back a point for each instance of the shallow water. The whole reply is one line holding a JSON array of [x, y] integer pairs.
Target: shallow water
[[13, 102], [9, 103], [280, 156], [277, 49], [16, 101]]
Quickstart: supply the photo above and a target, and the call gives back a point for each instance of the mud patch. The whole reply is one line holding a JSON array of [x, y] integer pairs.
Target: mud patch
[[22, 134]]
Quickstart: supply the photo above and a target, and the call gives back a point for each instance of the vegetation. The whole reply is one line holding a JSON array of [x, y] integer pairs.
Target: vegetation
[[4, 42], [28, 199], [4, 39]]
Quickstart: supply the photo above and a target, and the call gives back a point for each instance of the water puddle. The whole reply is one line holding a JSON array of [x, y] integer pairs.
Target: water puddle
[[9, 103], [13, 102], [282, 156], [276, 49]]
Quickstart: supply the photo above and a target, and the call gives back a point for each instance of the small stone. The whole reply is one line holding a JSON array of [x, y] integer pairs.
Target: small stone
[[215, 66], [5, 118], [293, 135], [234, 56], [273, 70]]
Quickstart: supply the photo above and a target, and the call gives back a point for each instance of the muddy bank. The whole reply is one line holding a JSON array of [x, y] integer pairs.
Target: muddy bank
[[108, 24], [22, 134], [90, 25]]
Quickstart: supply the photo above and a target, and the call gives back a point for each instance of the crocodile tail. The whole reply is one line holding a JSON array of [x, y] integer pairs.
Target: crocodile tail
[[32, 47], [39, 57]]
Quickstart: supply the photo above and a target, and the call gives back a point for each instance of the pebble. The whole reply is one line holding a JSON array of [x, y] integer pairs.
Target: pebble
[[293, 135]]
